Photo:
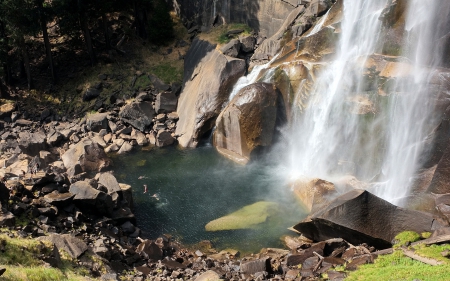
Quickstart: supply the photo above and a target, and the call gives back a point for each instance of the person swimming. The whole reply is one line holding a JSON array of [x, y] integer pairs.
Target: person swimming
[[145, 188], [142, 177], [156, 196]]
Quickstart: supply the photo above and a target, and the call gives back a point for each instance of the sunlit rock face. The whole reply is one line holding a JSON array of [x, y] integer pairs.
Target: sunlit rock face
[[206, 89], [248, 122]]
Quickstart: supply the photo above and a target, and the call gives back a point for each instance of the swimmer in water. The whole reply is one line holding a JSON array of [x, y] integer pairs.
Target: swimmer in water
[[156, 196], [145, 188], [141, 177]]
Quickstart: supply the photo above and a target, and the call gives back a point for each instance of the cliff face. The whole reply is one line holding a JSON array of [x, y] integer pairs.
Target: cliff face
[[264, 16]]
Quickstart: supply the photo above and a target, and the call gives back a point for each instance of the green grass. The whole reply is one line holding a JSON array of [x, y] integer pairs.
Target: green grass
[[399, 267], [406, 237], [22, 260], [223, 37], [168, 72]]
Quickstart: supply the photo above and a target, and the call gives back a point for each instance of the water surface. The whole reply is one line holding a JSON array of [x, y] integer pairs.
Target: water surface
[[196, 186]]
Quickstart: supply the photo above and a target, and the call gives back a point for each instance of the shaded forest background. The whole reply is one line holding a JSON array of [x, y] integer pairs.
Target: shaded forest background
[[43, 42]]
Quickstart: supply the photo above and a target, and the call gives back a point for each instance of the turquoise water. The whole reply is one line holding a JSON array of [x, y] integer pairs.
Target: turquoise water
[[195, 186]]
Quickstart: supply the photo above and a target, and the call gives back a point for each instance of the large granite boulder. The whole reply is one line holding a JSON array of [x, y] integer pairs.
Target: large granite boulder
[[90, 199], [74, 246], [7, 109], [313, 192], [109, 181], [361, 217], [248, 122], [206, 89], [166, 102], [96, 122], [87, 156], [32, 143], [138, 114]]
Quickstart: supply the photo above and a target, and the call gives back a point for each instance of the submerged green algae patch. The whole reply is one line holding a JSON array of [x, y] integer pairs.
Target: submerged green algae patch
[[245, 218]]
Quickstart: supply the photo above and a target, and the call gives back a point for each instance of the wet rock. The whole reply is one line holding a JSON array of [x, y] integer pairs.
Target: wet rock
[[313, 192], [72, 245], [164, 138], [138, 114], [338, 219]]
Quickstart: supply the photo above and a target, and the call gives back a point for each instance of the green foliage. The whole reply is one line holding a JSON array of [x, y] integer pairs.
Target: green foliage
[[160, 24], [406, 237], [168, 72], [223, 38], [399, 267]]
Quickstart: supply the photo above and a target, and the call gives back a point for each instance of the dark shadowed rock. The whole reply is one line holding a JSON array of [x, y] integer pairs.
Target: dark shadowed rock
[[96, 122], [361, 217], [32, 143], [7, 219], [164, 138], [248, 44], [138, 114], [89, 155], [149, 250], [90, 94], [232, 48], [72, 245], [251, 267], [90, 199], [166, 102]]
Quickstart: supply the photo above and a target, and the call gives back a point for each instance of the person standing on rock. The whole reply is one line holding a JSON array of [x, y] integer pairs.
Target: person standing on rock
[[145, 188]]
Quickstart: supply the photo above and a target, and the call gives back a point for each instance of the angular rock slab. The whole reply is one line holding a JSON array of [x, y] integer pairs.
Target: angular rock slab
[[88, 154], [138, 114], [210, 76], [361, 217], [72, 245]]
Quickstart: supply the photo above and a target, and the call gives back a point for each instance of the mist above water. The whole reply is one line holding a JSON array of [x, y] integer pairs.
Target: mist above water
[[356, 123]]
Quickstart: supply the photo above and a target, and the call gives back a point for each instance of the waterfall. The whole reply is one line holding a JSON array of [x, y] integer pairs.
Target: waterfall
[[382, 146]]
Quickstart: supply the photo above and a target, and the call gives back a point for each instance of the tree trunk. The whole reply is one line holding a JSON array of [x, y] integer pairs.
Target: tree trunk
[[105, 30], [26, 62], [86, 33], [48, 47], [140, 19]]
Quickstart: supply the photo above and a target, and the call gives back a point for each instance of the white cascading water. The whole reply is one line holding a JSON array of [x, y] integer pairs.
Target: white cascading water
[[328, 140]]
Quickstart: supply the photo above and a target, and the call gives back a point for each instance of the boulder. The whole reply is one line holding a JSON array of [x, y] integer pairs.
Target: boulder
[[244, 218], [71, 244], [139, 137], [32, 143], [166, 102], [7, 219], [127, 193], [90, 157], [90, 199], [164, 138], [126, 147], [96, 122], [247, 123], [149, 250], [58, 199], [210, 75], [110, 182], [7, 109], [90, 94], [254, 266], [361, 217], [248, 44], [138, 114], [232, 48], [209, 275], [313, 192]]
